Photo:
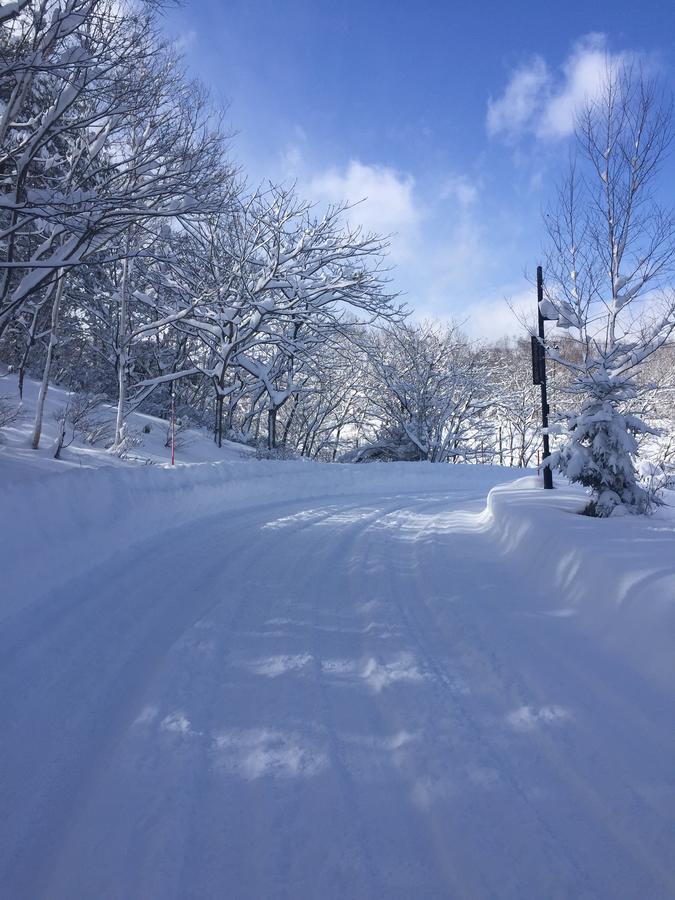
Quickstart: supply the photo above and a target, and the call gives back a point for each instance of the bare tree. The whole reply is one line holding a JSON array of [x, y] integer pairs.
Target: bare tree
[[282, 278], [610, 261], [427, 394], [102, 137], [515, 412]]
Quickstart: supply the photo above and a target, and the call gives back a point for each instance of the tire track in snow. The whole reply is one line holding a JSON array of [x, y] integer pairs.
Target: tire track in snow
[[122, 643], [436, 869], [356, 856], [431, 638], [137, 650], [182, 814]]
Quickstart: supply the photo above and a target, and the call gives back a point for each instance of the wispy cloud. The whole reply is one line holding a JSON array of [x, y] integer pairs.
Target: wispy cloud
[[544, 102], [584, 74], [461, 189], [185, 41], [509, 313], [521, 100]]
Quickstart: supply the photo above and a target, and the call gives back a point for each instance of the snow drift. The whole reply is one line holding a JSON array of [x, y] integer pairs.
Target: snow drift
[[616, 577]]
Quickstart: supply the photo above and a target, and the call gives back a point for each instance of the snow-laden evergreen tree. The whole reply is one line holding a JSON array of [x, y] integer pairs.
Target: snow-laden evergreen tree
[[609, 266], [600, 447]]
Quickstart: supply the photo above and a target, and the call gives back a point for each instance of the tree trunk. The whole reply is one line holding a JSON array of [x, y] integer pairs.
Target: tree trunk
[[53, 337], [218, 432], [272, 428], [289, 421], [29, 346], [60, 437], [337, 443], [123, 349], [229, 419]]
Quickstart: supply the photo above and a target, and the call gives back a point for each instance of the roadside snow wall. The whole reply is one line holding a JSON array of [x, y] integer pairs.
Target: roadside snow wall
[[615, 576]]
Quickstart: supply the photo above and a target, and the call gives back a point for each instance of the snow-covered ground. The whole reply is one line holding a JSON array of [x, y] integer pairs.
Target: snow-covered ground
[[19, 461], [258, 679]]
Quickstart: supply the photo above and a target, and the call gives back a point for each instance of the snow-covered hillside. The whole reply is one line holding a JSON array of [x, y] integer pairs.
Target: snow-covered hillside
[[18, 460], [290, 679]]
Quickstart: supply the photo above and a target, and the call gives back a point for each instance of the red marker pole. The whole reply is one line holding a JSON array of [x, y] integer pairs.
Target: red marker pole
[[173, 427]]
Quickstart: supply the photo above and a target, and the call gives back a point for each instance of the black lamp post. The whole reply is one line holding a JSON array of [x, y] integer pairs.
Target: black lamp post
[[539, 376]]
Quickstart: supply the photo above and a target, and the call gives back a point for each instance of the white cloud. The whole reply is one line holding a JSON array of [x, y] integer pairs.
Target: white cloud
[[384, 200], [460, 189], [292, 162], [521, 99], [539, 101], [585, 72], [384, 197], [507, 312], [185, 41], [446, 279], [452, 259], [505, 316]]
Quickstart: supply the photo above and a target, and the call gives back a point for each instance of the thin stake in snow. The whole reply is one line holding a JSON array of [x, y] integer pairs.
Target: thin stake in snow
[[173, 426]]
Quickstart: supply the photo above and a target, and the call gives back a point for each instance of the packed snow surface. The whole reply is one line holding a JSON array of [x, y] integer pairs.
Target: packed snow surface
[[291, 680]]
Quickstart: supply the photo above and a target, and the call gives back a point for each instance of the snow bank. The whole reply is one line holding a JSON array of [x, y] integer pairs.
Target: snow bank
[[614, 577]]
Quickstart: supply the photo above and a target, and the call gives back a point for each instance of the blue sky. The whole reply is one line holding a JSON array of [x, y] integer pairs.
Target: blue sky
[[453, 119]]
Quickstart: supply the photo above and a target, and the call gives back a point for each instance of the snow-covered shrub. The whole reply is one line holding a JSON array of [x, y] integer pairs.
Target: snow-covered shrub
[[655, 479], [131, 438], [77, 419], [392, 444], [428, 393], [9, 412], [96, 432]]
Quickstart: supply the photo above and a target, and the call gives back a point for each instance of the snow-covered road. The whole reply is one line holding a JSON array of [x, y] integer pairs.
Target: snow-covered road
[[332, 698]]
